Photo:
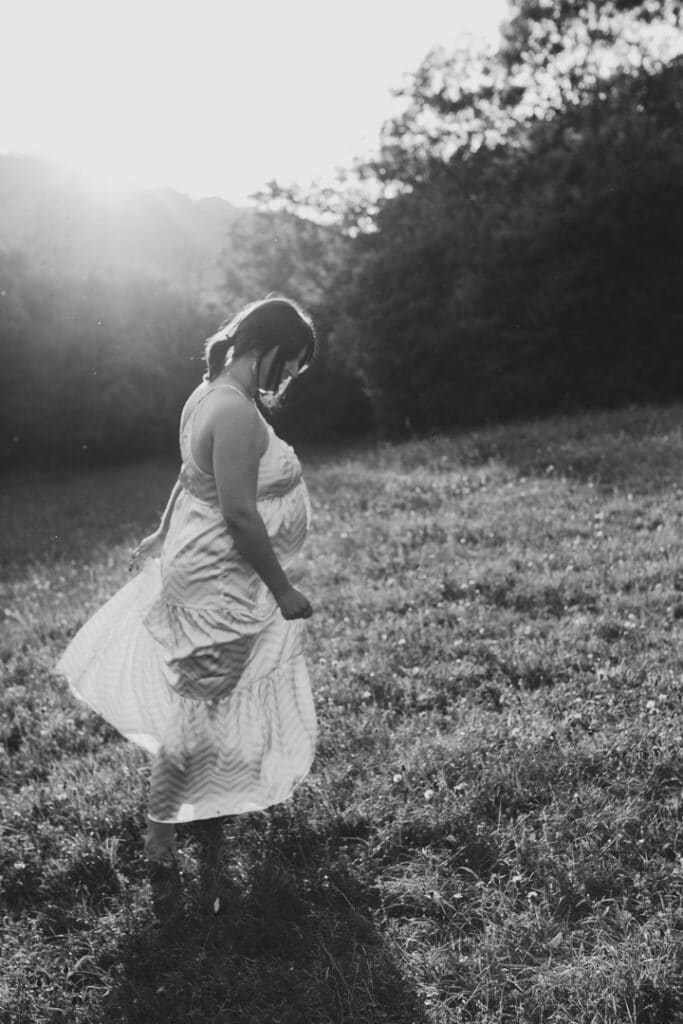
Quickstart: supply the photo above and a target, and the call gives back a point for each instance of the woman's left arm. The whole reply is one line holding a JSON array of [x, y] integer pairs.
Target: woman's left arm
[[151, 546], [162, 529]]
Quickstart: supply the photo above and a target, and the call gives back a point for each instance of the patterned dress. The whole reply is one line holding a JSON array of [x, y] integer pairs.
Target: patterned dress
[[193, 660]]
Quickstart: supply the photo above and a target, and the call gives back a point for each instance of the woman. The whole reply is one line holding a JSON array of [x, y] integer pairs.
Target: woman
[[199, 658]]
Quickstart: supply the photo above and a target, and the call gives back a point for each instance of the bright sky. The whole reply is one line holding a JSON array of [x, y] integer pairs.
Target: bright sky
[[215, 97]]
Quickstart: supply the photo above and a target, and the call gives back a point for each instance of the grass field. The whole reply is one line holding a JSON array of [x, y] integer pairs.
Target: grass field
[[493, 828]]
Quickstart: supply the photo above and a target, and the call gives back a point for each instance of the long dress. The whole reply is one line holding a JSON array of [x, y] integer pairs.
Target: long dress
[[192, 659]]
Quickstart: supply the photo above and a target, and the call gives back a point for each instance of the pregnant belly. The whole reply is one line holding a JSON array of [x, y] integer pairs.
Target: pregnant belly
[[199, 559], [287, 521]]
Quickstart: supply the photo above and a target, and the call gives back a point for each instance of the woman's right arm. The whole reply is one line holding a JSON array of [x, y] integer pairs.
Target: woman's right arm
[[238, 444]]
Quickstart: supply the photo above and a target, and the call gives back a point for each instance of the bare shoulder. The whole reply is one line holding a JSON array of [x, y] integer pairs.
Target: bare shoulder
[[235, 421], [229, 407]]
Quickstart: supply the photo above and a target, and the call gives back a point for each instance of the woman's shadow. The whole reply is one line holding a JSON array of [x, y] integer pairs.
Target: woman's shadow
[[262, 922]]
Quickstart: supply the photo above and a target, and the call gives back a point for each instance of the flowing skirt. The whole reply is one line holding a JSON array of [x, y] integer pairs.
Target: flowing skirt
[[214, 755]]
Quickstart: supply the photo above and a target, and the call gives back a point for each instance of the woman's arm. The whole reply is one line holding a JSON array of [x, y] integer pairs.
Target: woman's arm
[[151, 546], [239, 440], [162, 528]]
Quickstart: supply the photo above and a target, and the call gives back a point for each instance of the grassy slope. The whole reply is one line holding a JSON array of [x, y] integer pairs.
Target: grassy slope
[[492, 831]]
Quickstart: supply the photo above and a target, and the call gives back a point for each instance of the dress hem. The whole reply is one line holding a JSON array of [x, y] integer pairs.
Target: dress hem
[[227, 814]]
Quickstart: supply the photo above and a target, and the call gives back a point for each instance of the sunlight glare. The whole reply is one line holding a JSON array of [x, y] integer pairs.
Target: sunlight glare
[[214, 98]]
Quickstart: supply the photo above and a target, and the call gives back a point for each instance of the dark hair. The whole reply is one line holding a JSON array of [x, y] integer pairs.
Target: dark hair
[[273, 322]]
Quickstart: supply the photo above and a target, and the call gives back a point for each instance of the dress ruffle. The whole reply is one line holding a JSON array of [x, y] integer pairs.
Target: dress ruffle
[[209, 650]]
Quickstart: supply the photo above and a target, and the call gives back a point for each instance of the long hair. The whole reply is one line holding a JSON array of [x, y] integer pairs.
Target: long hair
[[273, 322]]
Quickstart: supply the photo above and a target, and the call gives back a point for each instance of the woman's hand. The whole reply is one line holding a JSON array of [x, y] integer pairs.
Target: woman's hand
[[294, 605], [150, 547]]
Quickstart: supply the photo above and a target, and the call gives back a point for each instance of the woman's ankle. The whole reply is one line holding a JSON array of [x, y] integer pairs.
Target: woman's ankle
[[160, 829]]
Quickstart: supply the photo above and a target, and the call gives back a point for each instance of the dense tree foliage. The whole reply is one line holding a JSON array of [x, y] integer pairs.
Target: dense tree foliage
[[93, 368], [527, 252]]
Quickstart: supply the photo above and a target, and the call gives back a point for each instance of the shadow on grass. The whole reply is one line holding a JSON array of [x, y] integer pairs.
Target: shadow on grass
[[266, 926]]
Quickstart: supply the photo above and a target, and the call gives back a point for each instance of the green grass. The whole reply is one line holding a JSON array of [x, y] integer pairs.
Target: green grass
[[493, 828]]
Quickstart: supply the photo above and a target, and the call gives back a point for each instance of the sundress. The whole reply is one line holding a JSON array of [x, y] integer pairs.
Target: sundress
[[192, 659]]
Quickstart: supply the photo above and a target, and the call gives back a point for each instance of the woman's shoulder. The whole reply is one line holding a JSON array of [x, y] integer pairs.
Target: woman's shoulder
[[216, 398], [229, 413], [229, 404]]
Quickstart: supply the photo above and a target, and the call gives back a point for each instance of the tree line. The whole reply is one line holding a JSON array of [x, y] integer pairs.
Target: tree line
[[513, 249], [525, 247]]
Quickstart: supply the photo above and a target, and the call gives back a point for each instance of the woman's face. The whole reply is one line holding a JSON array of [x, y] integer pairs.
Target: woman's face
[[290, 370]]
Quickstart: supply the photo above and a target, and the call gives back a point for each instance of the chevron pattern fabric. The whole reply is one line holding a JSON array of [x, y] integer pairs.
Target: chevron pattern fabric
[[192, 659]]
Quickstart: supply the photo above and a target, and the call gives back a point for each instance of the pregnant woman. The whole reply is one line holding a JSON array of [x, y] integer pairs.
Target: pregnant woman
[[199, 659]]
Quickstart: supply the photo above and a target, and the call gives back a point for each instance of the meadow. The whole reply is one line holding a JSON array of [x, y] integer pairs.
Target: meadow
[[492, 831]]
